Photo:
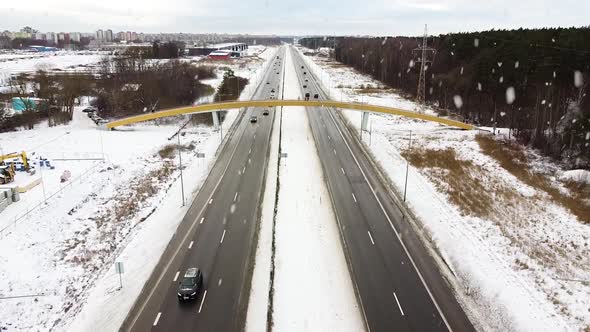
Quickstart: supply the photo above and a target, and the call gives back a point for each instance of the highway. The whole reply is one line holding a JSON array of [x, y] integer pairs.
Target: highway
[[398, 285], [218, 233]]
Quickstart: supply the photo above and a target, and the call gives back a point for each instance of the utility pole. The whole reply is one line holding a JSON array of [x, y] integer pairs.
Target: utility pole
[[407, 167], [180, 163], [425, 55]]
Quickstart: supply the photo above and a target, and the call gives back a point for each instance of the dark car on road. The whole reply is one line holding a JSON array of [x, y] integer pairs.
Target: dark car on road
[[265, 112], [316, 96], [191, 284], [253, 118]]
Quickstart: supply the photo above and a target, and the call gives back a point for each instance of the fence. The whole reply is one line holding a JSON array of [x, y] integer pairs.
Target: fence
[[5, 230]]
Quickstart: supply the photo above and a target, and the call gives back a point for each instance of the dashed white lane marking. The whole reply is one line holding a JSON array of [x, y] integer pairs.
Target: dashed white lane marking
[[342, 169], [211, 201], [202, 301], [328, 137], [250, 151], [219, 282], [202, 219], [354, 197], [176, 276], [399, 305], [249, 161], [244, 170], [157, 318], [334, 151], [222, 236], [370, 237], [236, 196], [244, 221], [190, 245]]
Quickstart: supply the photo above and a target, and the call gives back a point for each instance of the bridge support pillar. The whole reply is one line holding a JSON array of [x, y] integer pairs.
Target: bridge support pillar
[[215, 115], [365, 121]]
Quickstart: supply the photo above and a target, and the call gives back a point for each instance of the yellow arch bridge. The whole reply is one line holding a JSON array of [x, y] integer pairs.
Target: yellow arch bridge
[[278, 102]]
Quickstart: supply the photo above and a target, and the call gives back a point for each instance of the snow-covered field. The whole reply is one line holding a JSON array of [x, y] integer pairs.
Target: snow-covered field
[[11, 64], [124, 209], [309, 255], [519, 258]]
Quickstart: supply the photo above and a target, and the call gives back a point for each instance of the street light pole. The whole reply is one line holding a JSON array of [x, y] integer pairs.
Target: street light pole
[[407, 168], [180, 163]]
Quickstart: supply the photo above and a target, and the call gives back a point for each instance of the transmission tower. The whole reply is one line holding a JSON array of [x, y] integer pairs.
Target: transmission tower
[[425, 55]]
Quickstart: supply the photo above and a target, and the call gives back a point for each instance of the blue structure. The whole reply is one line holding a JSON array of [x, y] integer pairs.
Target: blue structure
[[20, 104], [43, 49]]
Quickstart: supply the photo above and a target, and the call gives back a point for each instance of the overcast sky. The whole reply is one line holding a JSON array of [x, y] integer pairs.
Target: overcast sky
[[298, 17]]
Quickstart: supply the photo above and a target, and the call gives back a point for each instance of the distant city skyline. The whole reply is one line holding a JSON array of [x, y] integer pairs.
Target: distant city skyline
[[290, 17]]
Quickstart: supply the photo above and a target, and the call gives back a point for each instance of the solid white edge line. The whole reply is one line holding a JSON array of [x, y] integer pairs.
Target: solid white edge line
[[334, 151], [342, 169], [222, 236], [176, 275], [399, 305], [157, 318], [393, 227], [370, 237], [236, 196], [202, 301], [354, 197]]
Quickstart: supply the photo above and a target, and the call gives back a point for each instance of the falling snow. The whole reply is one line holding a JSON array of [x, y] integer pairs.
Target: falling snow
[[458, 101], [510, 95]]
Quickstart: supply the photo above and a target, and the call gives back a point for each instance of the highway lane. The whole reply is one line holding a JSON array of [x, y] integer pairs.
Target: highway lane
[[396, 291], [217, 235]]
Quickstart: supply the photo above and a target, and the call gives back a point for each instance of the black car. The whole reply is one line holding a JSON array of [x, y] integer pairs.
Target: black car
[[316, 96], [253, 118], [89, 110], [265, 112], [302, 67], [267, 82], [191, 284], [304, 86], [273, 90]]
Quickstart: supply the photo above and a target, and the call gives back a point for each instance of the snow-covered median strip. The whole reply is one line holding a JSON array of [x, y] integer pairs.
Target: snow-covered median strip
[[312, 287]]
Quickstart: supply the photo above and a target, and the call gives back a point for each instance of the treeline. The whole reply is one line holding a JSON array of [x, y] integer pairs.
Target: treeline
[[59, 94], [531, 81], [125, 85], [130, 85]]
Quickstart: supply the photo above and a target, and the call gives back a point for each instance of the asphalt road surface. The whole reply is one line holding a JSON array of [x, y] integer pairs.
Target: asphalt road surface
[[218, 233], [398, 285]]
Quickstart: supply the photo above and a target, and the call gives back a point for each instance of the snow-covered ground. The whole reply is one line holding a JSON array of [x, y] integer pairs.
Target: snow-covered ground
[[124, 209], [30, 62], [521, 262], [309, 255]]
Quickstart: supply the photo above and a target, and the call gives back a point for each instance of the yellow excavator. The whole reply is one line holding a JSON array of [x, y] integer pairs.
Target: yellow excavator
[[22, 155], [6, 174]]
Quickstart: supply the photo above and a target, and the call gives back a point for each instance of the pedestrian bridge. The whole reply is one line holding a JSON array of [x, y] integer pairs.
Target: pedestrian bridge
[[204, 108]]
